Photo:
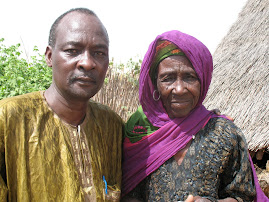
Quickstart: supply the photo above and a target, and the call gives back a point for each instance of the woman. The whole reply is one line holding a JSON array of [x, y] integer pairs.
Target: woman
[[174, 147]]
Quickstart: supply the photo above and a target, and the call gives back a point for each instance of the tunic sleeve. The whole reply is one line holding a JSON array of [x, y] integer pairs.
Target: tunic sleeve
[[237, 177], [3, 186]]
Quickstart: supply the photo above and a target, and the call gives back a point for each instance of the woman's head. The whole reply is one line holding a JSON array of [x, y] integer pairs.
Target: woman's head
[[175, 79], [189, 63]]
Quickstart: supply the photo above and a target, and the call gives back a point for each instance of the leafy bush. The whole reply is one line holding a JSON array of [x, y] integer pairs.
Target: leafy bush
[[18, 76]]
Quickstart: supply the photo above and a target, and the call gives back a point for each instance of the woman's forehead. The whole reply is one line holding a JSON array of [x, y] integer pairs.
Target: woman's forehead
[[176, 62]]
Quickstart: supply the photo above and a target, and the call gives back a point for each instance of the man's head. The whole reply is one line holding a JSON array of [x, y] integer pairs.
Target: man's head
[[78, 54], [52, 34]]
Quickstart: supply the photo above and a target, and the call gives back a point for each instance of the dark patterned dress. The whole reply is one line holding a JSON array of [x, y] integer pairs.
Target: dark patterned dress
[[215, 166]]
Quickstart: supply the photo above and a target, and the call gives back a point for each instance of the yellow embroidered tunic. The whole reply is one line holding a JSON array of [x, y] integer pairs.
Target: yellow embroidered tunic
[[42, 158]]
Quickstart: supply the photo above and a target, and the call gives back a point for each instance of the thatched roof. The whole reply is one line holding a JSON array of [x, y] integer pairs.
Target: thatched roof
[[240, 84]]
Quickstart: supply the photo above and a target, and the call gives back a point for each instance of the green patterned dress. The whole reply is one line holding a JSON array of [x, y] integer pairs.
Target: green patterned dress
[[216, 166]]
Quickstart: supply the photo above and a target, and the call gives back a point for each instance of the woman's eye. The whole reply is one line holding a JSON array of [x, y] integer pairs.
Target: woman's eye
[[166, 79], [190, 77]]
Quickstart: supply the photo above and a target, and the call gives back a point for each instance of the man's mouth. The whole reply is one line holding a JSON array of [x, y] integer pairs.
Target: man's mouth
[[85, 80]]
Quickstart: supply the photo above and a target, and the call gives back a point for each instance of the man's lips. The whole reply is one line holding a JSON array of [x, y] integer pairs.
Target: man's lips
[[85, 80]]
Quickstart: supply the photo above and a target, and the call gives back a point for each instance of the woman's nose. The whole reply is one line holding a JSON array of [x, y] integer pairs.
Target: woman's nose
[[86, 61], [179, 87]]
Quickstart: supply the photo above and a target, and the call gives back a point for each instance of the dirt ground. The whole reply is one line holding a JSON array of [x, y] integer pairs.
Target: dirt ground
[[263, 176]]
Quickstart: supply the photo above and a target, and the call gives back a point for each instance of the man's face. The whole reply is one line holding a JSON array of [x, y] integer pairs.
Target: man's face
[[79, 58]]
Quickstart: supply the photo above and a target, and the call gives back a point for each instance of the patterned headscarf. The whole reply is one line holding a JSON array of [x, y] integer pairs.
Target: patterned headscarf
[[163, 50]]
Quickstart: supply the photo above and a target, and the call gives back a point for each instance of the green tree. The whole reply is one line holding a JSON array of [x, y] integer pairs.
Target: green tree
[[18, 76]]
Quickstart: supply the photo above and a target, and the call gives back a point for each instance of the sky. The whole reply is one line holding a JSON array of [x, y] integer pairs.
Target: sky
[[131, 25]]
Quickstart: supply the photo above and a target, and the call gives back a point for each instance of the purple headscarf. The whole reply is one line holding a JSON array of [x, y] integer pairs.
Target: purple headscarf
[[201, 60], [148, 154]]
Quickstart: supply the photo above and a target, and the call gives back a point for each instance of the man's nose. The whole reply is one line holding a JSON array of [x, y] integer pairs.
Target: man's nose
[[86, 61]]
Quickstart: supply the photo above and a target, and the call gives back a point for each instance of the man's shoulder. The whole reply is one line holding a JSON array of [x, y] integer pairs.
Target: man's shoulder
[[103, 111], [20, 101]]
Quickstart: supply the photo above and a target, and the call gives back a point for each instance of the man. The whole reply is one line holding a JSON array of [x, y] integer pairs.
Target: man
[[57, 145]]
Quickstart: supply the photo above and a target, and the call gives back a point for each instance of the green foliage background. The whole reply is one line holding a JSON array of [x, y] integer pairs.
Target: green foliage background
[[18, 76]]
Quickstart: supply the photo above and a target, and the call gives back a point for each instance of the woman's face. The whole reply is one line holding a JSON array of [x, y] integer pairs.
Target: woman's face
[[178, 85]]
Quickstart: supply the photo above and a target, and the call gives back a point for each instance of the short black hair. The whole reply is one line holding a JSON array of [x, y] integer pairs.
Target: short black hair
[[52, 35]]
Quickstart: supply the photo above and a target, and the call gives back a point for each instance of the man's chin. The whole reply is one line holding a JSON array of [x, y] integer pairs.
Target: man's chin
[[83, 95]]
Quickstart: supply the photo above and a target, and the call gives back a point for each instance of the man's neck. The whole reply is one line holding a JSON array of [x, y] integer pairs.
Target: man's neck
[[72, 112]]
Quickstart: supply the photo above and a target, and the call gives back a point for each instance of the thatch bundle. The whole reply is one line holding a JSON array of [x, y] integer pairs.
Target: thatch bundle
[[240, 84], [120, 93]]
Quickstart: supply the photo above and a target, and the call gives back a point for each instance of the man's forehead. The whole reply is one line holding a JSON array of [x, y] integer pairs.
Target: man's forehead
[[76, 20], [77, 39], [76, 25]]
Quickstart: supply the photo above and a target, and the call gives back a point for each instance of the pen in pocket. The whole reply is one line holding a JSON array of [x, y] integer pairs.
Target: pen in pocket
[[105, 184]]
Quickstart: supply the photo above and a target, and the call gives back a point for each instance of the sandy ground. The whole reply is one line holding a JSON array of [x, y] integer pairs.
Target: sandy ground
[[263, 176]]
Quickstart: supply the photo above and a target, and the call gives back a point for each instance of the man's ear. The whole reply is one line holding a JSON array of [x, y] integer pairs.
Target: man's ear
[[48, 55]]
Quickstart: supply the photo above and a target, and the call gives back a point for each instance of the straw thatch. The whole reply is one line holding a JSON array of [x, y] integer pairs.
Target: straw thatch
[[240, 84], [120, 93]]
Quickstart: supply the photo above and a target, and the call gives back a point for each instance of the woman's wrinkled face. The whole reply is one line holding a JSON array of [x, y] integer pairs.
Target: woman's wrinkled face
[[178, 85]]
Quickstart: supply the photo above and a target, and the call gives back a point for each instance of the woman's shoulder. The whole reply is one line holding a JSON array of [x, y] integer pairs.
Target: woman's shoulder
[[222, 129], [223, 125]]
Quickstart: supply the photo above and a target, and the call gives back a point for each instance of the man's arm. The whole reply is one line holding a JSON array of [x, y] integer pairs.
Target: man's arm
[[3, 186]]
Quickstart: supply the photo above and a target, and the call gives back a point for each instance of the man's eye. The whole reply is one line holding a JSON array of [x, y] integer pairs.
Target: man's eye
[[72, 51], [100, 53]]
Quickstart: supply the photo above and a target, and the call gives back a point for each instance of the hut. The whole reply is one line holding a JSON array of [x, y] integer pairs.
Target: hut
[[240, 83]]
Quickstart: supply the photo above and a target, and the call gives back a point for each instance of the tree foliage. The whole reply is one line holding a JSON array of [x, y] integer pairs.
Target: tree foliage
[[18, 76]]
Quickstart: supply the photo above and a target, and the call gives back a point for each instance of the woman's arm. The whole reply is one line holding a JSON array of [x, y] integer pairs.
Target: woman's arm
[[203, 199]]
